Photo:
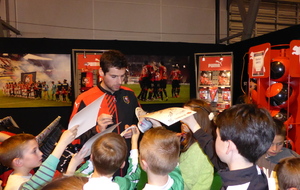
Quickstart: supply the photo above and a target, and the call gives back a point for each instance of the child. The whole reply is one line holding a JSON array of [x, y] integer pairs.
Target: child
[[244, 133], [108, 154], [159, 153], [196, 169], [21, 153], [206, 134], [276, 152], [288, 174], [67, 183]]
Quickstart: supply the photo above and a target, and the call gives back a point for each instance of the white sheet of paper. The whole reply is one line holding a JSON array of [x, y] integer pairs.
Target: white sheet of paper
[[139, 112], [170, 116], [87, 117], [89, 143]]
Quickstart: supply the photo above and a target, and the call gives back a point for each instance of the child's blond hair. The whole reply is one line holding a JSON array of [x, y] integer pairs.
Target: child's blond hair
[[160, 148]]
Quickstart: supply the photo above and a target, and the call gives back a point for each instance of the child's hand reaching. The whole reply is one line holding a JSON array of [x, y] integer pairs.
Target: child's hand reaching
[[154, 122], [127, 132], [135, 133], [66, 138], [191, 122], [77, 159], [135, 137], [69, 135]]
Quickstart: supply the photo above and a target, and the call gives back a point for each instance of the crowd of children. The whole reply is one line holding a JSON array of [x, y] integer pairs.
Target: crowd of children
[[241, 146]]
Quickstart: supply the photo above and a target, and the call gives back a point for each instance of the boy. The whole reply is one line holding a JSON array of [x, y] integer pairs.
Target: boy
[[108, 154], [244, 133], [288, 174], [21, 153], [159, 156], [276, 152]]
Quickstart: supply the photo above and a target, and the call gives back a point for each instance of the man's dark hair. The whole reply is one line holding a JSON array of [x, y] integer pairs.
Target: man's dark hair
[[112, 58], [250, 128]]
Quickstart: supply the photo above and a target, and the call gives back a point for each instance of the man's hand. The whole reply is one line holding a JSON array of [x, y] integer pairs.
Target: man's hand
[[103, 121]]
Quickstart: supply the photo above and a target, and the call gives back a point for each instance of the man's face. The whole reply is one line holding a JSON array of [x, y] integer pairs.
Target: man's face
[[276, 146], [113, 79]]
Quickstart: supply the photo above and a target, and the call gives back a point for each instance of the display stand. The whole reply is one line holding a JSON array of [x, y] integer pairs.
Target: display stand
[[276, 71], [86, 64], [214, 81]]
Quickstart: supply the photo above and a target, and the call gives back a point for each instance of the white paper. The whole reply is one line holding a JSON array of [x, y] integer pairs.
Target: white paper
[[170, 116], [87, 117], [139, 112], [89, 143]]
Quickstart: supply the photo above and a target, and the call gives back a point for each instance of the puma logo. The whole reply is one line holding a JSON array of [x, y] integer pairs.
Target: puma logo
[[296, 50]]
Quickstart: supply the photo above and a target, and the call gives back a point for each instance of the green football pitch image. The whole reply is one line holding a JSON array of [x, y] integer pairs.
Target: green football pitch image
[[19, 102], [184, 95]]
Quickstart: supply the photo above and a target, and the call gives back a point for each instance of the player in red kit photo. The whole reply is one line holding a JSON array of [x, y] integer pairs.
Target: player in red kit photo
[[176, 76]]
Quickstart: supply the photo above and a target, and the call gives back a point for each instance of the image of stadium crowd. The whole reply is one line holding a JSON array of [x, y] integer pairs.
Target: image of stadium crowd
[[39, 90]]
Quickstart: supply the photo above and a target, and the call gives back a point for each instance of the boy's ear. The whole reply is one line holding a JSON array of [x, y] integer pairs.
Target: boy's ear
[[123, 165], [17, 162], [144, 165], [91, 157], [231, 147], [101, 73]]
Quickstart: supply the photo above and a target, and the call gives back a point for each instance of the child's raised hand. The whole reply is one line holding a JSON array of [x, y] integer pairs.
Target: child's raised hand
[[191, 122], [77, 159], [69, 135], [127, 132], [66, 138], [154, 122], [135, 137], [135, 133]]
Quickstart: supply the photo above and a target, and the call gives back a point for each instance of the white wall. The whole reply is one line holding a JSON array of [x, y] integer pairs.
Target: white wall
[[138, 20]]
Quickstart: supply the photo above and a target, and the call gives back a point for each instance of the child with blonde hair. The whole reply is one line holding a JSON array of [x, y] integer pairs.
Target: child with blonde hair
[[159, 156], [288, 174]]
